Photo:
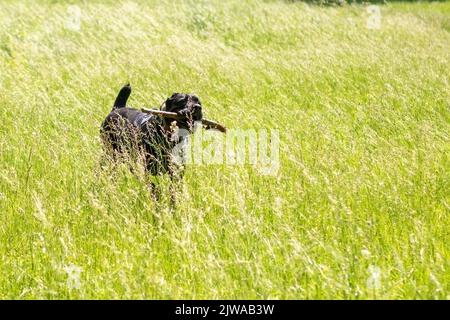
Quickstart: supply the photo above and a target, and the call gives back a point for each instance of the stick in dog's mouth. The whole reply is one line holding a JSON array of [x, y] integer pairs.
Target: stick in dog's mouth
[[208, 124]]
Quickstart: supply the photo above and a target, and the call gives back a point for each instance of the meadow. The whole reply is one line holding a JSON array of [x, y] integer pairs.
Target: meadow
[[358, 209]]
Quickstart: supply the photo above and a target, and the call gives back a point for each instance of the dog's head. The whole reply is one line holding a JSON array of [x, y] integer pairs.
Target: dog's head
[[187, 106]]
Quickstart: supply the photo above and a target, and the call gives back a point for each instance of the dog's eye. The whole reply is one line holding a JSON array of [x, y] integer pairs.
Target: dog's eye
[[195, 99]]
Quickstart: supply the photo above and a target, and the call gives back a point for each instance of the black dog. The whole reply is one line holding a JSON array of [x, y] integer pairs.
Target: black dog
[[149, 138]]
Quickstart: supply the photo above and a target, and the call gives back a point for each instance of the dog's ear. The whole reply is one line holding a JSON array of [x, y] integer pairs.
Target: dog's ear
[[169, 101], [172, 98], [175, 98], [164, 105]]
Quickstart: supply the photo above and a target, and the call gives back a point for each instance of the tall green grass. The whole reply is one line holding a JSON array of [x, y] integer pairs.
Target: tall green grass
[[359, 208]]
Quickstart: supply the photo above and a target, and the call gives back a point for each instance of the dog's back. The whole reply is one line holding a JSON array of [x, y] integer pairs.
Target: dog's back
[[127, 130], [121, 116], [120, 110]]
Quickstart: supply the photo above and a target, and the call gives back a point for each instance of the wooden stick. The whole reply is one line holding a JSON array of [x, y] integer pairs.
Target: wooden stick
[[208, 124], [164, 114]]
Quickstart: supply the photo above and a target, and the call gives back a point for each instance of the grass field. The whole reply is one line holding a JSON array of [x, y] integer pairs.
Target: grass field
[[360, 206]]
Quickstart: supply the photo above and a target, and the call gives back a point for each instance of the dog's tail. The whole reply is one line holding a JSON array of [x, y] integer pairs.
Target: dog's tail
[[121, 100]]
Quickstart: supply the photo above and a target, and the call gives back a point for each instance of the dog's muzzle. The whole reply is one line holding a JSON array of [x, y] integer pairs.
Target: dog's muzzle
[[197, 112]]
